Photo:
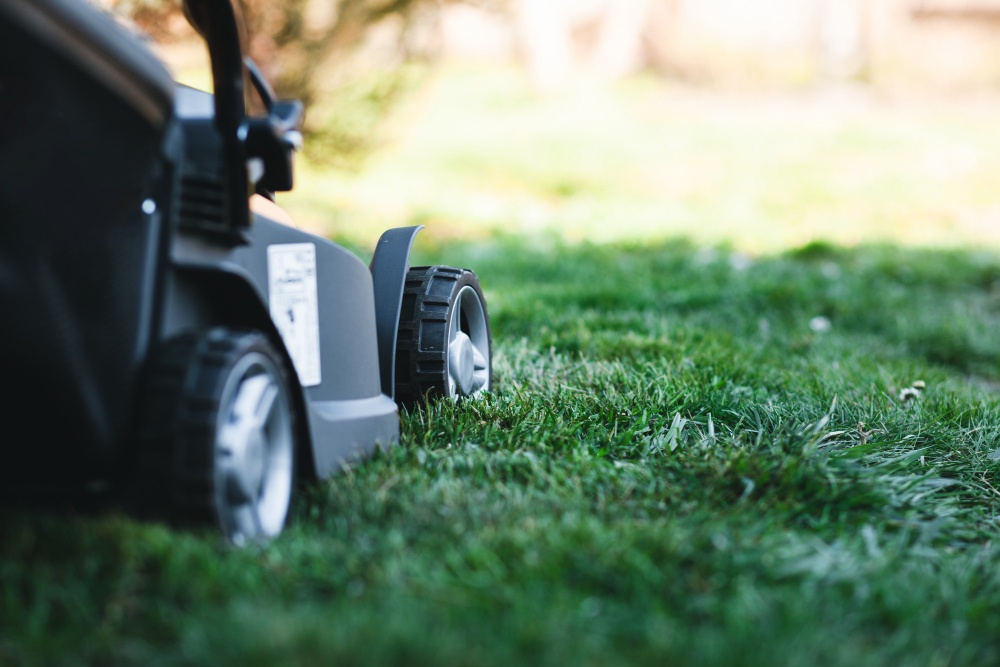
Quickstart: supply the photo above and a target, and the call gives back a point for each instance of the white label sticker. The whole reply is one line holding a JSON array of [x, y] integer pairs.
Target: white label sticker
[[291, 277]]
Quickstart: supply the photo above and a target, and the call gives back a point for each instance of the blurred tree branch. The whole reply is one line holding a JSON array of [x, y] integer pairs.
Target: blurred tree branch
[[347, 60], [296, 40]]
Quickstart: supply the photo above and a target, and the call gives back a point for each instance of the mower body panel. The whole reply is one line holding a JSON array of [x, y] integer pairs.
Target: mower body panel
[[320, 306], [103, 257]]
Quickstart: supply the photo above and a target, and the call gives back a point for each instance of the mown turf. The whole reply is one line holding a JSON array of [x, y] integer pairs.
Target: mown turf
[[692, 457]]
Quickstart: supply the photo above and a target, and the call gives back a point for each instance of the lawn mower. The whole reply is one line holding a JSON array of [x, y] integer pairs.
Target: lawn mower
[[170, 340]]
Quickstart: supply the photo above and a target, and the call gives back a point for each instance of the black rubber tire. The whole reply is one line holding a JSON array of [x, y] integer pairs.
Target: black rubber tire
[[179, 425], [430, 296]]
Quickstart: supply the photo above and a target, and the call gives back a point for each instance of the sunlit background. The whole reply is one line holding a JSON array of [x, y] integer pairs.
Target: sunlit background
[[758, 125]]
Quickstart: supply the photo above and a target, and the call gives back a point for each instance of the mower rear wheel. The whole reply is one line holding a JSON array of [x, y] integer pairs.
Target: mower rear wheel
[[444, 348], [222, 421]]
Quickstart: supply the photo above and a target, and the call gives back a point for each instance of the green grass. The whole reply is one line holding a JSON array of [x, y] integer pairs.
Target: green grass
[[660, 477], [697, 451]]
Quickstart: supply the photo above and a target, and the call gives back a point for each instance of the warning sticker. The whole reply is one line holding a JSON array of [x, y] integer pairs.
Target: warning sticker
[[291, 278]]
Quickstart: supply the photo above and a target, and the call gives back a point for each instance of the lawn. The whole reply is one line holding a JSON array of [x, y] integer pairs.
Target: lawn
[[747, 354]]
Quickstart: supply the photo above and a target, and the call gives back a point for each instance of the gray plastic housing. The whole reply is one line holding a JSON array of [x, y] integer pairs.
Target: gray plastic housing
[[347, 413]]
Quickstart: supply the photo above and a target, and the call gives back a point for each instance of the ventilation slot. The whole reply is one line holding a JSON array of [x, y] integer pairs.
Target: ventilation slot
[[202, 203]]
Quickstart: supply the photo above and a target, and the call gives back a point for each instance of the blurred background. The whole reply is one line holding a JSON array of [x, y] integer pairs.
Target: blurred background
[[756, 124]]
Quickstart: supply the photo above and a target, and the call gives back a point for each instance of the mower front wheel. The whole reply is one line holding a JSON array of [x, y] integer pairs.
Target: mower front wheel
[[218, 433], [444, 348]]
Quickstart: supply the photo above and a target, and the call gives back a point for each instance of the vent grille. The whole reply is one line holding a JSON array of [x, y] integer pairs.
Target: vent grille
[[202, 203]]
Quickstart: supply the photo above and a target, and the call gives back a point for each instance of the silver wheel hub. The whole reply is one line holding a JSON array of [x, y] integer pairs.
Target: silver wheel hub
[[242, 439], [468, 346], [253, 452], [461, 362]]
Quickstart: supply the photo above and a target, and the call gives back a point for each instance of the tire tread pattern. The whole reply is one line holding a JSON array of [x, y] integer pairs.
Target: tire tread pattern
[[175, 472], [429, 294]]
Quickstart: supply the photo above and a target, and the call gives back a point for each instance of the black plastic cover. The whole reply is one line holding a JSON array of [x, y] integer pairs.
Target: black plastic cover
[[79, 156]]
